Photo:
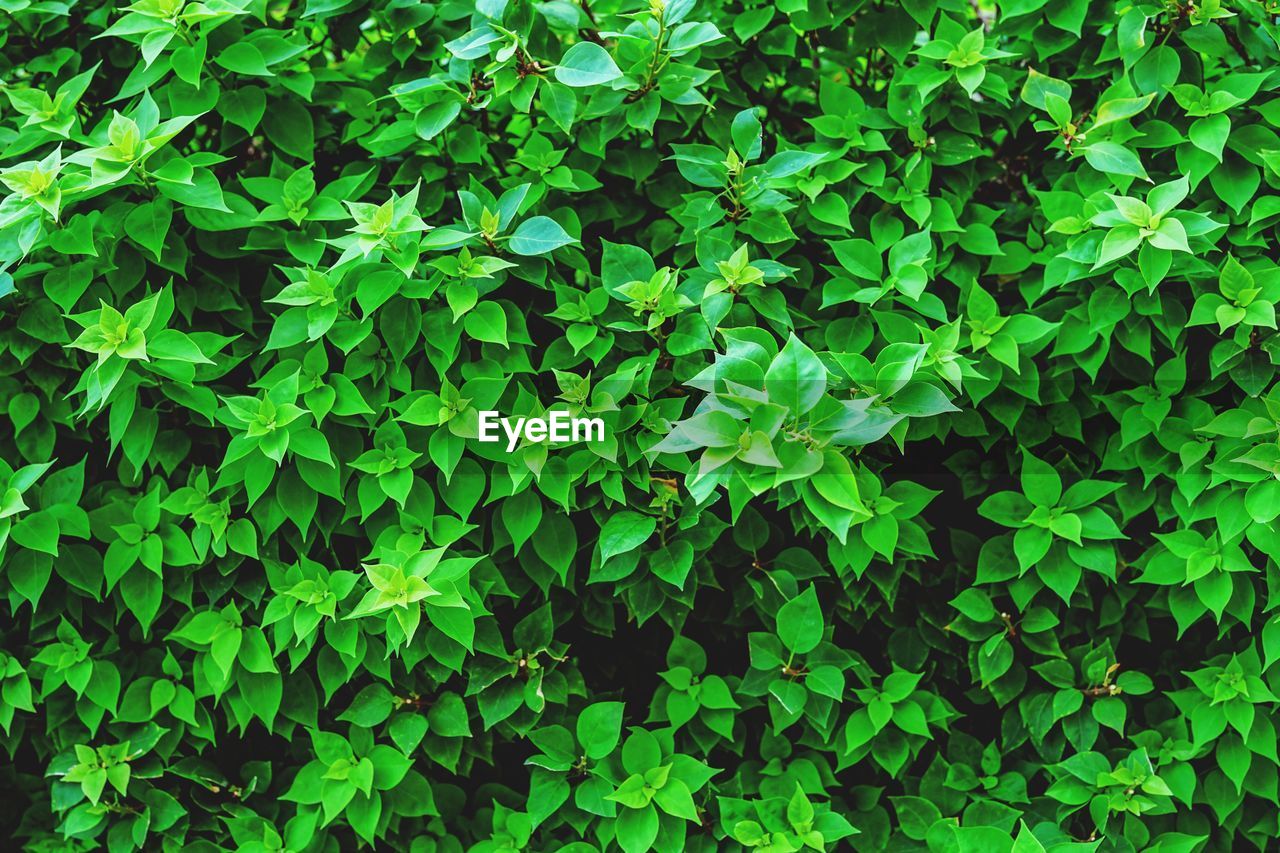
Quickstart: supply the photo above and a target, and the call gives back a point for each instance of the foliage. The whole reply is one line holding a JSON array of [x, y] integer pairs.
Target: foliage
[[935, 345]]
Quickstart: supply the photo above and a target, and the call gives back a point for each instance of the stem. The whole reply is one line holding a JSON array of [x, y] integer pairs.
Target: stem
[[656, 64], [591, 34]]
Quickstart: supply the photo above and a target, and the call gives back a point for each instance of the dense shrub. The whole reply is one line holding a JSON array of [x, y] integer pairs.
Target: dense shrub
[[935, 348]]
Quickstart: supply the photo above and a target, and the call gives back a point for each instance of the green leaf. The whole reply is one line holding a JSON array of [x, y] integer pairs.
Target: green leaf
[[800, 622], [290, 127], [1025, 842], [487, 322], [587, 64], [1040, 482], [625, 531], [1118, 243], [675, 799], [598, 728], [637, 829], [1038, 85], [916, 815], [243, 107], [1114, 159], [149, 225], [538, 235], [1119, 109], [796, 378]]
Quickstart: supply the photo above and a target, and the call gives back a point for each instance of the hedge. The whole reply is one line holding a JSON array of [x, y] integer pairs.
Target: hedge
[[933, 345]]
